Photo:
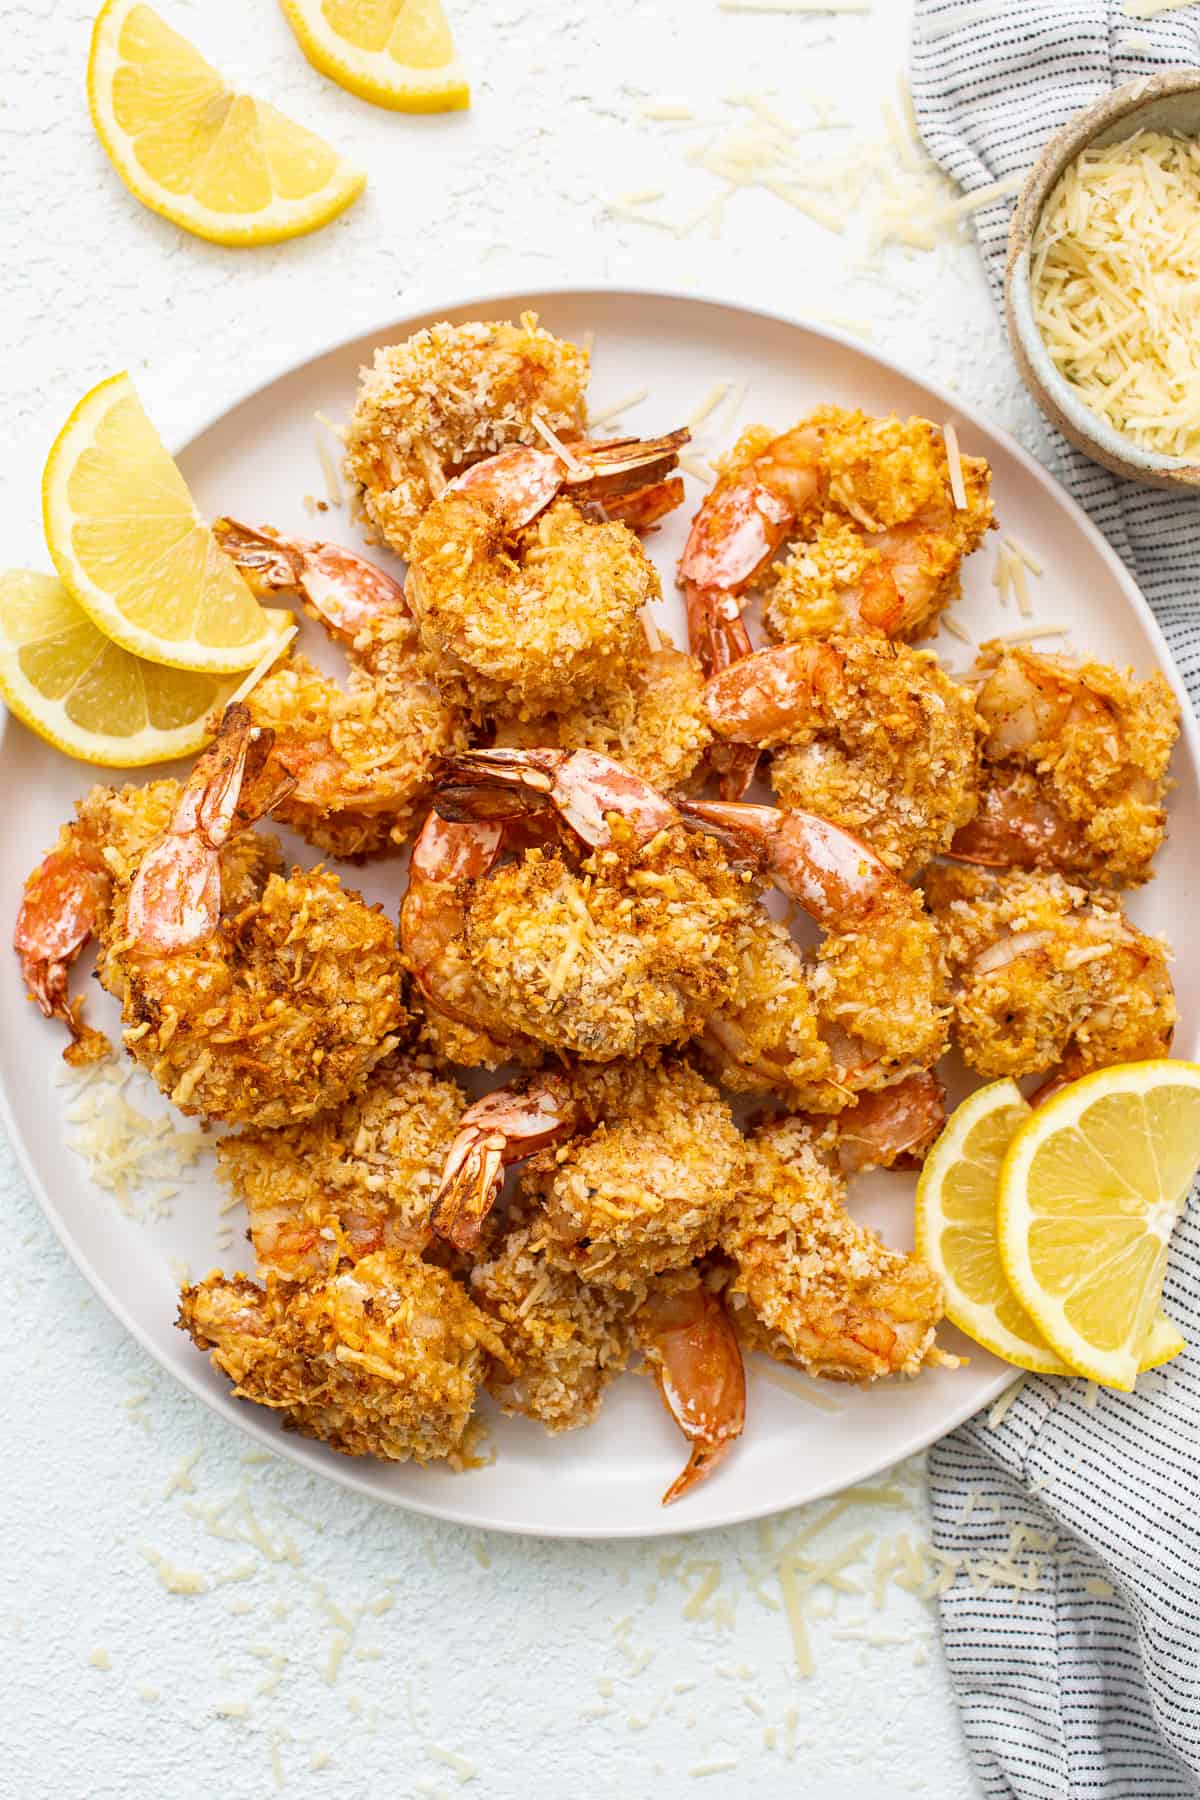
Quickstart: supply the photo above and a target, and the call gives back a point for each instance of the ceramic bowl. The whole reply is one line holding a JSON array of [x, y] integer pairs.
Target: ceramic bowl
[[1168, 103]]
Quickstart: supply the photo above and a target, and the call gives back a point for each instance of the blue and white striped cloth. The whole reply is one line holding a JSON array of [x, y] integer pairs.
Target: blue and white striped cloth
[[1089, 1683]]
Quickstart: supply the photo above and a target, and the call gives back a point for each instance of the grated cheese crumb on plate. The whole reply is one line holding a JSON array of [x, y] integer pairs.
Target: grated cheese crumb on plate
[[628, 401]]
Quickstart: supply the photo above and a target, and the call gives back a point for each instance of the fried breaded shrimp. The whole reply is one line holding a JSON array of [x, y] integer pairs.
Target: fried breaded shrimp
[[527, 605], [1048, 976], [883, 550], [650, 718], [877, 984], [461, 1020], [867, 733], [447, 396], [812, 1286], [876, 988], [1075, 759], [362, 756], [566, 1340], [381, 1358], [261, 1016], [70, 895], [358, 1178], [613, 956], [632, 1164]]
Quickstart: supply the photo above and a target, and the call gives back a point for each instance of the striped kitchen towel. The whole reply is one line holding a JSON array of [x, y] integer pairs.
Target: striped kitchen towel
[[1086, 1680]]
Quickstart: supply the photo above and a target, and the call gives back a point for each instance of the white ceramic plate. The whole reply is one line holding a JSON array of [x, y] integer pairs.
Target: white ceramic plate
[[257, 458]]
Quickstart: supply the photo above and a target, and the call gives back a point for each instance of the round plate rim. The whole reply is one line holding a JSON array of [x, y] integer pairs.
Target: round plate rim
[[191, 422]]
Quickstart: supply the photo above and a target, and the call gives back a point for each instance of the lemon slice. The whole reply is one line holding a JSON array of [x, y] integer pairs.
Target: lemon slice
[[1090, 1189], [84, 694], [956, 1235], [128, 542], [398, 53], [221, 164]]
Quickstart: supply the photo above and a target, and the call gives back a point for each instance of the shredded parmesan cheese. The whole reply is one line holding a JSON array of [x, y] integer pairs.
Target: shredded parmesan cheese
[[627, 403], [572, 463], [1115, 263], [999, 1409], [954, 462]]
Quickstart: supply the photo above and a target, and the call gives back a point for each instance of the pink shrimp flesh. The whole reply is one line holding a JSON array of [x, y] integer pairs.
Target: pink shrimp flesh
[[694, 1354], [445, 855], [834, 876], [521, 481], [759, 699], [175, 898], [583, 787], [60, 910], [342, 588], [893, 1125], [502, 1128]]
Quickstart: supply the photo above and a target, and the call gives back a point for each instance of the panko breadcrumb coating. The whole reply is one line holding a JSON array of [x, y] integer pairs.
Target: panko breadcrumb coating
[[380, 1359], [358, 1178], [886, 545], [79, 883], [531, 622], [1076, 758], [364, 755], [283, 1011], [650, 718], [648, 1187], [1047, 974], [625, 952], [448, 396], [566, 1339], [866, 732], [812, 1286]]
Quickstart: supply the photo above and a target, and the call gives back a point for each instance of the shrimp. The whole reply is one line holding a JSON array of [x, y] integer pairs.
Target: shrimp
[[1076, 757], [629, 949], [868, 734], [527, 605], [877, 988], [650, 718], [692, 1350], [362, 758], [70, 897], [447, 397], [271, 1013], [642, 1187], [462, 1021], [811, 1285], [358, 1178], [883, 548], [566, 1339], [1048, 976], [382, 1357]]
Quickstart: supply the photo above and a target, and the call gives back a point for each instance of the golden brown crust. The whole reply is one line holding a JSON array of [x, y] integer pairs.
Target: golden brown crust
[[1045, 972], [282, 1012], [383, 1358], [889, 751], [358, 1178], [647, 1189], [566, 1339], [812, 1286], [529, 624], [445, 398]]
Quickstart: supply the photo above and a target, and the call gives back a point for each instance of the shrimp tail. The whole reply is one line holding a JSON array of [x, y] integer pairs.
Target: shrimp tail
[[693, 1352], [60, 910]]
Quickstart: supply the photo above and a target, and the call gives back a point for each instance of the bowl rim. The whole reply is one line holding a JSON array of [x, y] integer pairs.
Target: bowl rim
[[1058, 398]]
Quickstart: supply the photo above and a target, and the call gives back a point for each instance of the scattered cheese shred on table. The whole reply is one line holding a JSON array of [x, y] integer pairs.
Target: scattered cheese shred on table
[[1115, 265]]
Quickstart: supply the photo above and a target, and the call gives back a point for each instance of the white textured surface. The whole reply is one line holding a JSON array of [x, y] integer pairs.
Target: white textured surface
[[506, 1653]]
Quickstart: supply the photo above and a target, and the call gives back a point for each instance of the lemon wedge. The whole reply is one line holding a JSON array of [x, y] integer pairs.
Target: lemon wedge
[[956, 1234], [85, 695], [221, 164], [1090, 1189], [129, 544], [397, 53]]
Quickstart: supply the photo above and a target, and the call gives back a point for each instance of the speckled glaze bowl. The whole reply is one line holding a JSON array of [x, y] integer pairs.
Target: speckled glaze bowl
[[1168, 103]]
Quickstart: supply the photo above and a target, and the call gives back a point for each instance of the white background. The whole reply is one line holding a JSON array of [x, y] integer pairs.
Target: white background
[[545, 1669]]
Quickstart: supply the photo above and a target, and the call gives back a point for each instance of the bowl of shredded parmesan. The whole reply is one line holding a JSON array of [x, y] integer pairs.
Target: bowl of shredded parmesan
[[1103, 280]]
